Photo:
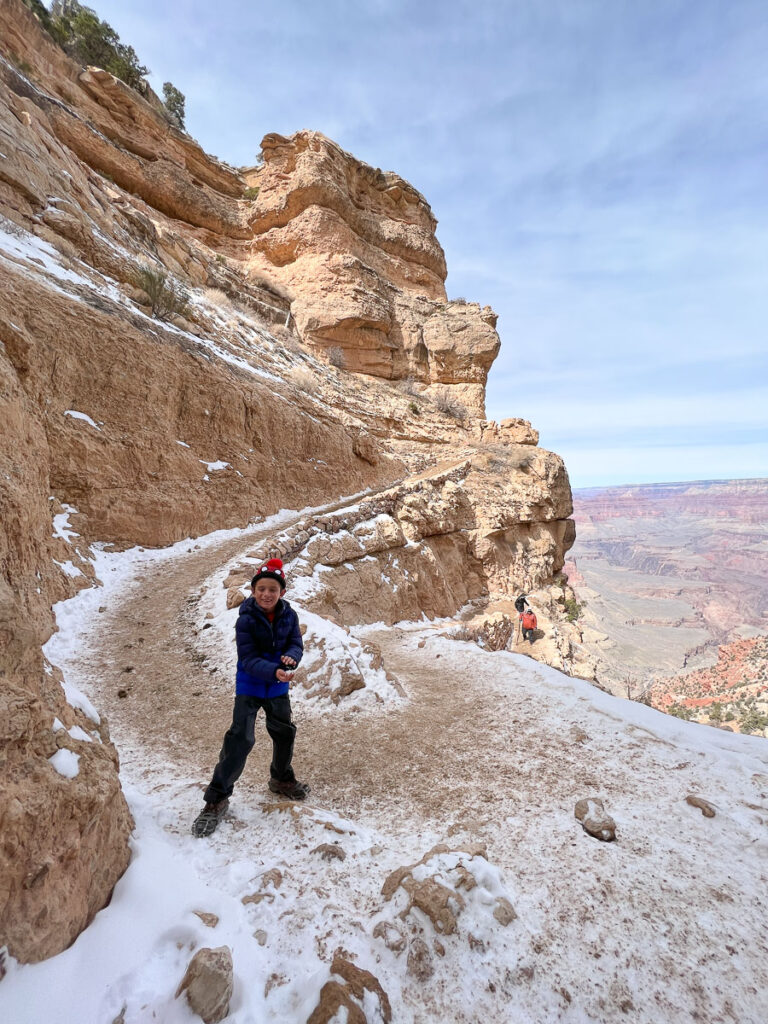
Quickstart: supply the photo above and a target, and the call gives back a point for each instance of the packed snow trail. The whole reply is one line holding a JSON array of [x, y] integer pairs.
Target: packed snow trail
[[669, 923]]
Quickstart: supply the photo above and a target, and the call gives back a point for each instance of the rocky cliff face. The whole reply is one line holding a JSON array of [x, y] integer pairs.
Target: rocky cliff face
[[138, 430], [356, 247]]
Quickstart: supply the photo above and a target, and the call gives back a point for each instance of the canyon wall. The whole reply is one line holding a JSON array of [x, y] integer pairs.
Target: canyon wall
[[314, 354]]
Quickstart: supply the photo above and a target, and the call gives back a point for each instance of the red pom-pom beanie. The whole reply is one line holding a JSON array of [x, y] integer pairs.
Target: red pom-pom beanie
[[271, 570]]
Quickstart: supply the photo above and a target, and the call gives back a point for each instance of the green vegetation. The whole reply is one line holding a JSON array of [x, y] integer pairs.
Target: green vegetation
[[82, 35], [174, 103], [414, 409], [753, 721], [572, 609], [166, 297], [715, 713], [250, 193], [680, 712]]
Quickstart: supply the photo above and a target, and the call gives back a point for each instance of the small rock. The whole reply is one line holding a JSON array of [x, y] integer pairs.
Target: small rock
[[208, 625], [261, 936], [122, 693], [209, 615], [421, 643], [128, 668], [595, 820], [438, 947], [209, 920], [208, 983], [419, 960], [102, 609], [273, 877], [504, 913], [330, 851], [704, 806], [235, 597], [390, 935]]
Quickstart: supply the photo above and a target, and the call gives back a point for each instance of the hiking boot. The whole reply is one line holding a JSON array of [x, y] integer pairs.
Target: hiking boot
[[291, 789], [207, 820]]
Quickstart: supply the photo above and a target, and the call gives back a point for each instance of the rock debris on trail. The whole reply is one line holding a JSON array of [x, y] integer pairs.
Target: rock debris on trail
[[486, 748]]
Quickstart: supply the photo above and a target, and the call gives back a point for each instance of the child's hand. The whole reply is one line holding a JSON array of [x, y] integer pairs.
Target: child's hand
[[282, 676], [288, 661]]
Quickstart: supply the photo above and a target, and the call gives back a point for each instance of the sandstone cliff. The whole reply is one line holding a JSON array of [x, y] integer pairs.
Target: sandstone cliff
[[317, 356]]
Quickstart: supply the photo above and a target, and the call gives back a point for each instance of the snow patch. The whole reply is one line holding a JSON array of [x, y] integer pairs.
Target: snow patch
[[66, 763], [82, 416], [68, 568], [61, 527]]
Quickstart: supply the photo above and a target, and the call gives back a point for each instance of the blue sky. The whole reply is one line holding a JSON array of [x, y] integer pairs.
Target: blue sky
[[599, 170]]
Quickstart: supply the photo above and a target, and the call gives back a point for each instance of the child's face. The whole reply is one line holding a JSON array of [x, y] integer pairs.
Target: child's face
[[267, 593]]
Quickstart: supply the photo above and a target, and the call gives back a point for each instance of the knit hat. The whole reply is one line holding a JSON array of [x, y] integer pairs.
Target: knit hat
[[271, 570]]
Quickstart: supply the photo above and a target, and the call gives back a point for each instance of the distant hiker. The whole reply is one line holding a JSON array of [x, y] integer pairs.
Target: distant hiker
[[528, 620], [520, 603], [269, 647]]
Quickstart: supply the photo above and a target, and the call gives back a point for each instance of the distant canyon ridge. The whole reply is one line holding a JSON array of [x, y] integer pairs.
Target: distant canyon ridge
[[672, 580]]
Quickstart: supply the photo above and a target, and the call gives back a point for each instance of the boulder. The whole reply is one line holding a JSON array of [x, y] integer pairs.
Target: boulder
[[208, 983], [595, 820]]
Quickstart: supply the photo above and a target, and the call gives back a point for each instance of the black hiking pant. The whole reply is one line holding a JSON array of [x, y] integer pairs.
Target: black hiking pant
[[528, 635], [239, 740]]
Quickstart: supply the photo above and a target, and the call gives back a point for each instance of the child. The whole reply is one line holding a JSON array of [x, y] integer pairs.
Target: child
[[269, 647], [528, 620]]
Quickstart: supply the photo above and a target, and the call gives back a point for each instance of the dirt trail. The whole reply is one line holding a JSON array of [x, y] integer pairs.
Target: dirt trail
[[452, 750]]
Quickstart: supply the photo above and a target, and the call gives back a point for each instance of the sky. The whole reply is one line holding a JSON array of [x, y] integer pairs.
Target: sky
[[599, 171]]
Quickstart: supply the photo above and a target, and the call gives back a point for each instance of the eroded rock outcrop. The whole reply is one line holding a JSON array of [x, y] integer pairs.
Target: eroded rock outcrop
[[356, 249]]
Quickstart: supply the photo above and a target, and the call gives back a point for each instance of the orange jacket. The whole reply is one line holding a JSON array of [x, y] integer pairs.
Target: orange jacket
[[529, 620]]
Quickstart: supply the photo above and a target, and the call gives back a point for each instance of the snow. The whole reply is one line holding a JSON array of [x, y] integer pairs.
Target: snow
[[81, 416], [183, 444], [66, 763], [68, 568], [61, 527], [638, 930], [213, 466]]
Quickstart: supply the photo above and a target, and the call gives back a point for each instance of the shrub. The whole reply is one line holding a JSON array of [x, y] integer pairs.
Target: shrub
[[451, 407], [174, 103], [303, 378], [251, 193], [166, 297], [680, 712], [572, 609], [336, 356], [753, 721], [461, 299], [11, 227], [217, 298], [82, 35], [715, 712], [414, 409]]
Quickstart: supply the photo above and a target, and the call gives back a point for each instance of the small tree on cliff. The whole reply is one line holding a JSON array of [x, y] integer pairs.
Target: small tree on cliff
[[166, 297], [174, 103], [81, 34]]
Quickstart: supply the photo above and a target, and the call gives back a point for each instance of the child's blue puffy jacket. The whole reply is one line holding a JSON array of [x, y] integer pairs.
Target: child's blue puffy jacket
[[261, 644]]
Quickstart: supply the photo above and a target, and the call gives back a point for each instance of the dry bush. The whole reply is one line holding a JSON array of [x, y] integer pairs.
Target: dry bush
[[288, 339], [408, 386], [11, 227], [167, 298], [217, 297], [451, 407], [303, 378]]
